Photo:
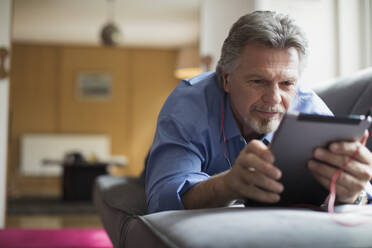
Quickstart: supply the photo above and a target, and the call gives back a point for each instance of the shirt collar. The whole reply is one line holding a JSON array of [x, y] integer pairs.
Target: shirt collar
[[267, 138]]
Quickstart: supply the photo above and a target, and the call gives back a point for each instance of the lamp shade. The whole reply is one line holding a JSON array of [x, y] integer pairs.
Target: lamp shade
[[188, 62], [110, 34]]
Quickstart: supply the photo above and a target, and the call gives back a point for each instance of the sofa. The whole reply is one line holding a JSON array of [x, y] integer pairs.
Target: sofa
[[121, 204]]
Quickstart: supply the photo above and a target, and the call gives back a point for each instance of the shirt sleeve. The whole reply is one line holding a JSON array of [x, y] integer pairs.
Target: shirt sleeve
[[174, 166], [307, 101]]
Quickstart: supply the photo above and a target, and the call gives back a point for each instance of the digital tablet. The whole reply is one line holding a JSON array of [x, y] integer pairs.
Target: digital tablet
[[294, 142]]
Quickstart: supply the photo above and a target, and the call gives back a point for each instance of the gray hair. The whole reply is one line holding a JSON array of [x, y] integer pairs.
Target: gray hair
[[265, 27]]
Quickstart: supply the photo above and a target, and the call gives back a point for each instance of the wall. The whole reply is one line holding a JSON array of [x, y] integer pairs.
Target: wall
[[354, 35], [43, 100], [339, 32], [216, 19], [321, 31], [5, 16]]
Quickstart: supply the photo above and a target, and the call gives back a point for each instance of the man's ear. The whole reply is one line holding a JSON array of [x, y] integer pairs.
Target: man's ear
[[226, 84]]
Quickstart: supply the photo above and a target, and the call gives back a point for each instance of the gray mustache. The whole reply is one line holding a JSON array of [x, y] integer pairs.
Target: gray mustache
[[269, 109]]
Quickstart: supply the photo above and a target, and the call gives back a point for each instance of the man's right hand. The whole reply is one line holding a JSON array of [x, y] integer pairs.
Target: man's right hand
[[253, 175]]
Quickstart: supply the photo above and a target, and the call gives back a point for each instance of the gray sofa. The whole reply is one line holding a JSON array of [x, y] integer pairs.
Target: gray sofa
[[121, 204]]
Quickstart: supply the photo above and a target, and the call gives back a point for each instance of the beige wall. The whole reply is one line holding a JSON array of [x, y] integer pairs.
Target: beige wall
[[5, 25], [43, 100]]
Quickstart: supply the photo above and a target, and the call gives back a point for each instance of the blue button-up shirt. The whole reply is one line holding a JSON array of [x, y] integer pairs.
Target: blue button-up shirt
[[188, 143]]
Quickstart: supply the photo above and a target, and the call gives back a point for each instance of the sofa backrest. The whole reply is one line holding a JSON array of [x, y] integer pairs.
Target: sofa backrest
[[350, 95]]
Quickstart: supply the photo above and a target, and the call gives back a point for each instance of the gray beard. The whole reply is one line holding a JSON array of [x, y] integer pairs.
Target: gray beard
[[263, 126]]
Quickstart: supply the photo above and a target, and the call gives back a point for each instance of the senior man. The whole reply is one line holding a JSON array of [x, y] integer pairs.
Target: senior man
[[210, 147]]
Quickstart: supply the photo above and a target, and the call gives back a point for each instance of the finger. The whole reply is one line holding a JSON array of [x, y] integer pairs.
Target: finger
[[260, 149], [354, 167], [251, 160], [365, 137], [349, 148], [342, 193], [345, 180], [267, 184], [260, 195], [252, 170], [260, 180]]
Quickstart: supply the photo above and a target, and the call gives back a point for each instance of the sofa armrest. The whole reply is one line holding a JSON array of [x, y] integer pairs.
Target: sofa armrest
[[351, 95], [118, 200], [246, 227]]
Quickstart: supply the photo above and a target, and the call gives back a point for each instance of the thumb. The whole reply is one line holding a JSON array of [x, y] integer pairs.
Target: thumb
[[365, 137]]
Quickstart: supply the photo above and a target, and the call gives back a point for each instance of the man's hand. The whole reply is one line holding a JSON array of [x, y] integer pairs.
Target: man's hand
[[254, 176], [356, 174]]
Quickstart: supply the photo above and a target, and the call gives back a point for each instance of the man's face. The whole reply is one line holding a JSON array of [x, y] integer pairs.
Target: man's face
[[262, 87]]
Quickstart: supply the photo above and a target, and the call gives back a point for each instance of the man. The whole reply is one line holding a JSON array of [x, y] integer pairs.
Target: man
[[210, 147]]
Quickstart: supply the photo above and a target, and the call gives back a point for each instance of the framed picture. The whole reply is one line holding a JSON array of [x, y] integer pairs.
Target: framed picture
[[94, 86]]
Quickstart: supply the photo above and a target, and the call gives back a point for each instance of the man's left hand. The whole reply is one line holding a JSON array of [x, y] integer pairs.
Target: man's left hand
[[357, 171]]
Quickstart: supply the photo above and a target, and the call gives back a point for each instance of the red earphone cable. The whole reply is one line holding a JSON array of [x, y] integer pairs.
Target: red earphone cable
[[336, 175], [223, 133], [332, 194]]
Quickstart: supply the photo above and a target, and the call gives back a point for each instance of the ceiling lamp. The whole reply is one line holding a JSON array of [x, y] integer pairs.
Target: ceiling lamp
[[188, 62], [110, 33]]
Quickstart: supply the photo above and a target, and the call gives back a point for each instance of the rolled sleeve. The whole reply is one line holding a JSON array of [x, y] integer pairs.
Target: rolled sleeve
[[169, 178], [170, 196], [174, 166]]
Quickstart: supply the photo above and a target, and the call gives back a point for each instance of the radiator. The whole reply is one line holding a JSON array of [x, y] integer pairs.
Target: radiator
[[37, 148]]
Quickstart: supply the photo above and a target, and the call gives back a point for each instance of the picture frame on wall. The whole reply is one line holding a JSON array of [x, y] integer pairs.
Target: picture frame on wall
[[94, 86]]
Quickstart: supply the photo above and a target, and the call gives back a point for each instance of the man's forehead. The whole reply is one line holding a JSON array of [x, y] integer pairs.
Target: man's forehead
[[261, 59], [272, 74], [287, 71], [256, 49]]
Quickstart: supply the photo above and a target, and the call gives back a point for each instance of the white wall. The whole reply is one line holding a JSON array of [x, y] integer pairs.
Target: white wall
[[354, 36], [154, 23], [5, 15], [338, 32], [339, 35], [216, 18], [318, 20]]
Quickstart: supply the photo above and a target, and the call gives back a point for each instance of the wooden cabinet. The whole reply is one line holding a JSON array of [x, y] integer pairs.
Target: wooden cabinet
[[112, 116], [44, 97]]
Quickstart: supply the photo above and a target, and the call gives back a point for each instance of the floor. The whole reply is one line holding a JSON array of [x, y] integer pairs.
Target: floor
[[51, 213], [46, 218], [53, 221]]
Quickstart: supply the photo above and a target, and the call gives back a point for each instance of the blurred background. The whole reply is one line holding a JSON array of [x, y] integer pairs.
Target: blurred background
[[88, 78]]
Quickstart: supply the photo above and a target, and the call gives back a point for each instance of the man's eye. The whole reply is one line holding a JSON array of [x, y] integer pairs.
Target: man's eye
[[287, 83], [257, 81]]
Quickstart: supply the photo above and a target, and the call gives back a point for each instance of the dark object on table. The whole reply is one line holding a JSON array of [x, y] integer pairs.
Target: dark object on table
[[73, 158], [78, 180]]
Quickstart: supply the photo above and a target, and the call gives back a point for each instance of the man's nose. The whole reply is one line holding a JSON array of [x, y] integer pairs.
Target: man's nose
[[272, 95]]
